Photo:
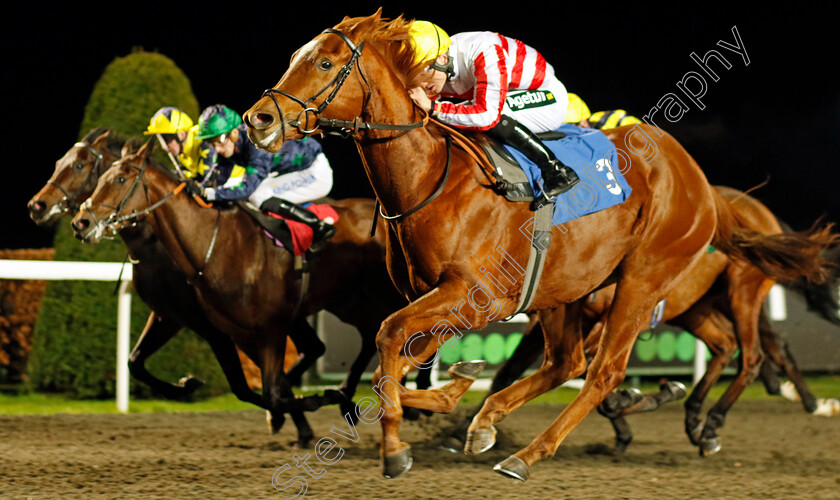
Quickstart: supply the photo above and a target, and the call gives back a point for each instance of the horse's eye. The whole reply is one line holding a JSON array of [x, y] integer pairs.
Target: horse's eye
[[78, 166], [121, 180], [325, 64]]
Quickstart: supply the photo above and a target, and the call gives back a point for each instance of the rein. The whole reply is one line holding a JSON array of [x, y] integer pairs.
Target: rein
[[116, 220], [338, 127]]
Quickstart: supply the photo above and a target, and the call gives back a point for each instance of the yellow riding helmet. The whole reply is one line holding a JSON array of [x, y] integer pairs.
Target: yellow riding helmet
[[169, 120], [577, 110], [428, 40], [612, 119]]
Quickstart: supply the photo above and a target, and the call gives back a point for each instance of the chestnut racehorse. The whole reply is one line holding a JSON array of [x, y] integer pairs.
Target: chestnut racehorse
[[444, 220], [699, 302], [247, 286]]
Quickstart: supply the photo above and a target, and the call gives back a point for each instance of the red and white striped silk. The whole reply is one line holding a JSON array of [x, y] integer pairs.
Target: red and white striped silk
[[487, 66]]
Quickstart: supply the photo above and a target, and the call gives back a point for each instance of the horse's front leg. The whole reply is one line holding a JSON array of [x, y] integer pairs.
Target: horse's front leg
[[156, 334], [228, 358], [277, 391], [405, 341], [309, 347]]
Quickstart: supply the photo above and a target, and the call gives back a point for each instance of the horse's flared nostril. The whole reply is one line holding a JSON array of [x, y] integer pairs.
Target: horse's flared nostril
[[80, 225], [37, 207], [259, 121]]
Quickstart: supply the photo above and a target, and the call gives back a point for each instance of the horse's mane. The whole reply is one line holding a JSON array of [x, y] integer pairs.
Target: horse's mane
[[163, 168], [391, 39], [115, 140]]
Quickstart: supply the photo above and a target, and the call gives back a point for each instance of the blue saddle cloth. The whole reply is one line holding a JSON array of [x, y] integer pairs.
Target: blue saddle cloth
[[593, 157]]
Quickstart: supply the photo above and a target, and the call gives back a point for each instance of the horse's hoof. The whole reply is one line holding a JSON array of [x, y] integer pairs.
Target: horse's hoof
[[695, 434], [190, 384], [398, 464], [827, 407], [275, 422], [710, 446], [480, 440], [633, 394], [677, 389], [621, 445], [467, 369], [514, 467], [452, 444]]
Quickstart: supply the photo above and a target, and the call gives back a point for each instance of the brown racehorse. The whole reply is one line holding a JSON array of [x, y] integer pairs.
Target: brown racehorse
[[699, 300], [157, 281], [445, 221], [247, 286]]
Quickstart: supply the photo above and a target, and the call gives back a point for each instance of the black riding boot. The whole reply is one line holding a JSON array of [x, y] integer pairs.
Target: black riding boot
[[320, 229], [557, 178]]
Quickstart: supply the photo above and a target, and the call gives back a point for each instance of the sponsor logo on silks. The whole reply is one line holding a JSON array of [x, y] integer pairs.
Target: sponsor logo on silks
[[525, 99]]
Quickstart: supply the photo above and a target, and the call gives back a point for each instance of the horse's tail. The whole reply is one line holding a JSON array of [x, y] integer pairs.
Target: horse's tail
[[823, 298], [784, 257]]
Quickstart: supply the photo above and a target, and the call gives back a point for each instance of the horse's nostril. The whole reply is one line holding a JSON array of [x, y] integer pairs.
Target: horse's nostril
[[261, 120], [81, 224], [37, 206]]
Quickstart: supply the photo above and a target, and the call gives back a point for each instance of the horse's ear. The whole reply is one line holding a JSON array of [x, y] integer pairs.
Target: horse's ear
[[146, 149], [101, 141], [127, 149]]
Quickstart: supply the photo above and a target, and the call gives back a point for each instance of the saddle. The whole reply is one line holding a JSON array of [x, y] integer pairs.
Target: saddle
[[295, 237], [278, 229], [511, 181]]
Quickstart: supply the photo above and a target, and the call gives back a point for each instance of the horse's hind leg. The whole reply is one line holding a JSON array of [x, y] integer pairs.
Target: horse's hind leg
[[156, 334], [707, 324], [777, 351], [747, 291], [564, 359], [617, 405]]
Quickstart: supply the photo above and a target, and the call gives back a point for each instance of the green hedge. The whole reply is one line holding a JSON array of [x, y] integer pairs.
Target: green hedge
[[74, 342]]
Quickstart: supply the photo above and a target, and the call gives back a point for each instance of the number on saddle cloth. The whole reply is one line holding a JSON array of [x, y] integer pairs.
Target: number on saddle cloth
[[587, 151]]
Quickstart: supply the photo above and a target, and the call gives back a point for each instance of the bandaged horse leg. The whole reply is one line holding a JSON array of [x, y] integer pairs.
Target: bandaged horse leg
[[564, 359]]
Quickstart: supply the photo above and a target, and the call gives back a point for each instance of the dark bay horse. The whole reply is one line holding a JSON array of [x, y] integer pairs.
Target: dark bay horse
[[445, 221], [246, 285], [158, 282]]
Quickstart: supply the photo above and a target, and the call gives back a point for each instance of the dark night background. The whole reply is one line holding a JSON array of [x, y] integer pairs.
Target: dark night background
[[779, 116]]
